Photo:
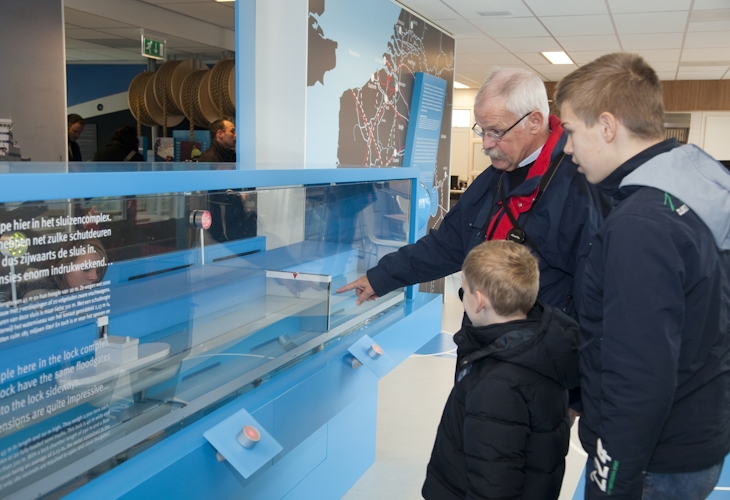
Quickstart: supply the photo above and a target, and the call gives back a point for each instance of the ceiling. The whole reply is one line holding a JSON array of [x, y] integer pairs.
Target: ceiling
[[681, 39], [106, 31]]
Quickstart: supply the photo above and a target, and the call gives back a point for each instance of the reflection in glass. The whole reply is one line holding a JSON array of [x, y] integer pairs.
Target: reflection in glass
[[112, 316]]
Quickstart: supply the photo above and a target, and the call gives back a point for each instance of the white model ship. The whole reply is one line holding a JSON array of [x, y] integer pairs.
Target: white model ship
[[9, 150]]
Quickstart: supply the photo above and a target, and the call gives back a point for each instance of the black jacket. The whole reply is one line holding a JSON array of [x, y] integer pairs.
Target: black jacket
[[505, 429], [118, 152], [74, 151], [560, 226], [655, 319], [216, 153]]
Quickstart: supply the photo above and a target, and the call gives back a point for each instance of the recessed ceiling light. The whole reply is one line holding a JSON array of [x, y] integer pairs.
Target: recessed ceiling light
[[458, 85], [557, 57]]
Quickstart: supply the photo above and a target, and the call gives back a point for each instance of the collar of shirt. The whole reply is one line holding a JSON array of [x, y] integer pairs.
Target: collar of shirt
[[530, 158]]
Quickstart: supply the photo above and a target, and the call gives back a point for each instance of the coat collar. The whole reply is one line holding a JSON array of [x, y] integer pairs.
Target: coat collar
[[610, 185]]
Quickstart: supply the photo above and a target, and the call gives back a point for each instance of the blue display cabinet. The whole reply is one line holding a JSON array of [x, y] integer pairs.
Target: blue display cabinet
[[177, 334]]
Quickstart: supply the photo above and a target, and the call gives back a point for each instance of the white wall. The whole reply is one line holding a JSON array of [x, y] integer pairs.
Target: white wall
[[33, 77], [467, 161], [281, 80], [710, 130]]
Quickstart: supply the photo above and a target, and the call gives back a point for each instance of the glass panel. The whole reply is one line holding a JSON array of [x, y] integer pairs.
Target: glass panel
[[117, 312]]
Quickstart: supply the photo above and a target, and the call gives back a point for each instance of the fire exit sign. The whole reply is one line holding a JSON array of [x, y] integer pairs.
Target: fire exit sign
[[154, 49]]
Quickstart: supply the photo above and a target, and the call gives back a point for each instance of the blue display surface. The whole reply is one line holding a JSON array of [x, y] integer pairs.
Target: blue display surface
[[175, 324], [47, 180]]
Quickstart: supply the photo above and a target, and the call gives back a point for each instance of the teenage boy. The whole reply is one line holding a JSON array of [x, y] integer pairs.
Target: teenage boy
[[655, 303], [505, 429]]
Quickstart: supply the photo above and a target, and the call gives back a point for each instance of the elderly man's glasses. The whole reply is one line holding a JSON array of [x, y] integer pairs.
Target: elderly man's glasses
[[495, 136]]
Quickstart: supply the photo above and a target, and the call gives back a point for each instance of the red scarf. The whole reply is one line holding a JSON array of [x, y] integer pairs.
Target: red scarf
[[521, 204]]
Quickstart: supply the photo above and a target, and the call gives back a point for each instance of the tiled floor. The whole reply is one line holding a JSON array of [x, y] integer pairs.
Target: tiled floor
[[410, 403]]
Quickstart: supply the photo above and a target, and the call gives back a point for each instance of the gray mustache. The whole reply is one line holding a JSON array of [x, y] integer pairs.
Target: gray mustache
[[494, 154]]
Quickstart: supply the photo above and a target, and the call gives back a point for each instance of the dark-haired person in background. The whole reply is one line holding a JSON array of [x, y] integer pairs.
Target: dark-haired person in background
[[75, 129], [222, 142], [123, 146]]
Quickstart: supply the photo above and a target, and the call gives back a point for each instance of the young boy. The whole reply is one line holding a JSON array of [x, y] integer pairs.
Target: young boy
[[655, 302], [505, 429]]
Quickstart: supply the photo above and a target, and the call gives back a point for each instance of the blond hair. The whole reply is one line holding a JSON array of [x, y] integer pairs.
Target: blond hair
[[506, 272], [622, 84]]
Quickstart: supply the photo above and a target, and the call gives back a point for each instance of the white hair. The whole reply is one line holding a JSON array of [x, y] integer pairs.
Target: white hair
[[522, 90]]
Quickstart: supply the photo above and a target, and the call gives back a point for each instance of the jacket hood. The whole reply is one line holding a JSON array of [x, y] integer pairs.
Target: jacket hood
[[549, 347], [694, 177]]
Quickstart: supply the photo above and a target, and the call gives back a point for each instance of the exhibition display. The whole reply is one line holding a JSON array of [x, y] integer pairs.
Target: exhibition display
[[182, 321]]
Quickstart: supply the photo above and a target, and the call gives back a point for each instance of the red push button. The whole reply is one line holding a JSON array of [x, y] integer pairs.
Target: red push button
[[375, 351], [249, 436]]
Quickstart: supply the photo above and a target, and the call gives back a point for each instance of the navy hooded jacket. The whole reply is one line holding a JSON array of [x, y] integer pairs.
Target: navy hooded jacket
[[655, 321], [559, 226]]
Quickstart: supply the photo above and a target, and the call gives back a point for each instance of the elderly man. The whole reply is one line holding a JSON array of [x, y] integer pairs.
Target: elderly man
[[531, 194], [222, 142]]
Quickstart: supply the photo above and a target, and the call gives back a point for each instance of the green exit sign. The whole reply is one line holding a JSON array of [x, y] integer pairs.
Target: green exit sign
[[154, 49]]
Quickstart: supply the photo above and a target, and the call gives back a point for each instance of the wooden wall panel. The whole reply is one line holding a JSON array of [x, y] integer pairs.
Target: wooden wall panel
[[697, 95], [687, 95]]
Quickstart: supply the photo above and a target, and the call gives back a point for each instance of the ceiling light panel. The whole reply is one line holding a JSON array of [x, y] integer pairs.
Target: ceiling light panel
[[557, 57]]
